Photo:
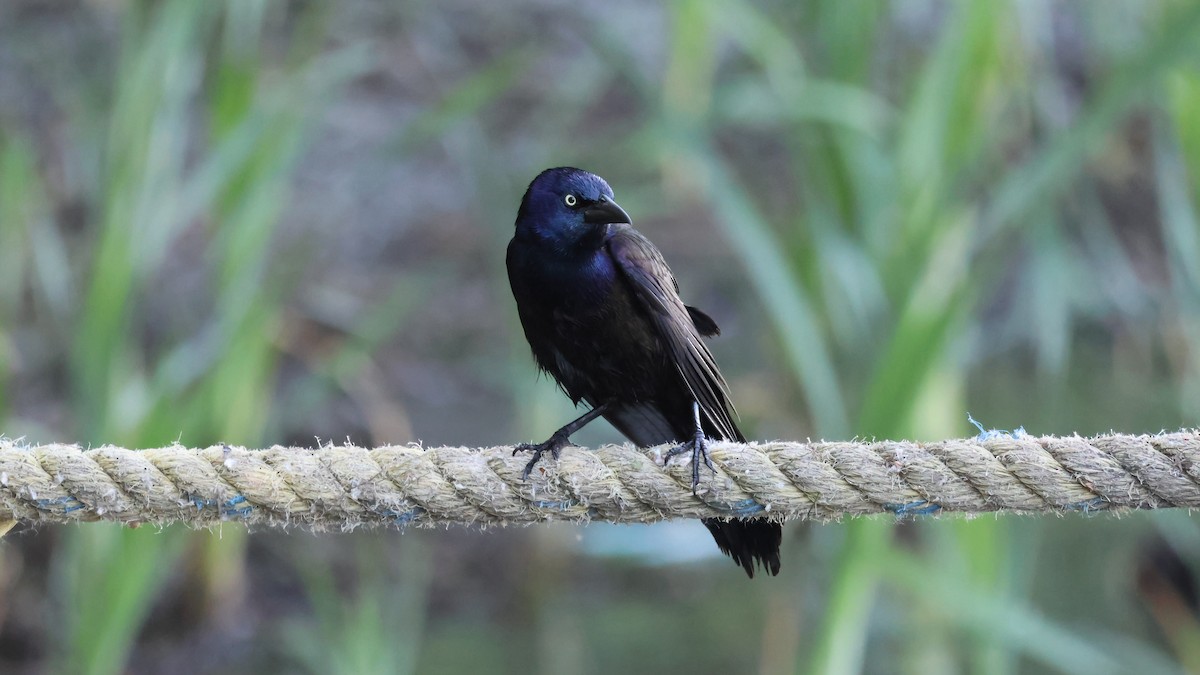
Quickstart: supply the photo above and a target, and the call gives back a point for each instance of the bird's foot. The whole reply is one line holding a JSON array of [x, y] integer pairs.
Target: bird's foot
[[698, 446], [552, 445]]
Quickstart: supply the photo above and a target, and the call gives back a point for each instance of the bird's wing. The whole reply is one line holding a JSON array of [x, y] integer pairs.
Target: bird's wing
[[703, 322], [643, 266]]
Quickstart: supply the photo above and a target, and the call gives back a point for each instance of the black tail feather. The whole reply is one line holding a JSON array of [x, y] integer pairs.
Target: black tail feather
[[748, 541]]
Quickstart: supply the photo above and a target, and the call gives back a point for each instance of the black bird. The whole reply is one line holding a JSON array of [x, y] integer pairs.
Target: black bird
[[601, 311]]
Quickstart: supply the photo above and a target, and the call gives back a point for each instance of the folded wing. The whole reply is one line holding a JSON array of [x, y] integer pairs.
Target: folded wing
[[643, 267]]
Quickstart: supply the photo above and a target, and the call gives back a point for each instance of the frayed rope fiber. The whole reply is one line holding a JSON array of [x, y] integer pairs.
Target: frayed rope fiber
[[347, 487]]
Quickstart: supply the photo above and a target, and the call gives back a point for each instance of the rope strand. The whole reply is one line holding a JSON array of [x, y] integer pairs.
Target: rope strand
[[347, 487]]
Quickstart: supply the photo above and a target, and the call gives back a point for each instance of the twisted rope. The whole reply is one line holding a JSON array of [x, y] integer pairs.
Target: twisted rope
[[345, 487]]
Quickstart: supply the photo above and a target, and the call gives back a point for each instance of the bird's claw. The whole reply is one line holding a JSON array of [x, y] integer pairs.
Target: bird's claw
[[552, 445], [698, 446]]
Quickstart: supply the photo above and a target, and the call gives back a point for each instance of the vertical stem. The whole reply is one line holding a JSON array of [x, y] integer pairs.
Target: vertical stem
[[841, 641], [986, 550]]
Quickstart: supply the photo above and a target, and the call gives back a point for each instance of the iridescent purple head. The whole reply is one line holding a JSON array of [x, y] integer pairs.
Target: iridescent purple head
[[564, 205]]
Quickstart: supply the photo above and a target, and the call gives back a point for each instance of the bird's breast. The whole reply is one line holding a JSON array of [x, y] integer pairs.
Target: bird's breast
[[586, 327], [577, 284]]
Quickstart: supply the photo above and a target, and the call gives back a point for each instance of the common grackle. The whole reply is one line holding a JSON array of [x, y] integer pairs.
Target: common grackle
[[602, 312]]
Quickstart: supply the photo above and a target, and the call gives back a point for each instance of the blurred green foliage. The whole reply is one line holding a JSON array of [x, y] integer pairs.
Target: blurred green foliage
[[263, 221]]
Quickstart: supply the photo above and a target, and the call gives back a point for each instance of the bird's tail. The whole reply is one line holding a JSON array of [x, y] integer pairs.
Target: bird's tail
[[748, 542]]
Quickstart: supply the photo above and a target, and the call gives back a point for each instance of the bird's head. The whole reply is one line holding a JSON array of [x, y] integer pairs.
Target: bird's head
[[568, 208]]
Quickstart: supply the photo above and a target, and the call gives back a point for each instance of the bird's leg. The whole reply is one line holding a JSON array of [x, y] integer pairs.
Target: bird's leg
[[559, 439], [698, 446]]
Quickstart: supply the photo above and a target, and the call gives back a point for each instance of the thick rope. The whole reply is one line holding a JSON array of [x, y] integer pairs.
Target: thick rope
[[345, 487]]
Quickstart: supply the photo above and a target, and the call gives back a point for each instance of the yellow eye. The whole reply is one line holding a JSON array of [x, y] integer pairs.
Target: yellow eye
[[570, 200]]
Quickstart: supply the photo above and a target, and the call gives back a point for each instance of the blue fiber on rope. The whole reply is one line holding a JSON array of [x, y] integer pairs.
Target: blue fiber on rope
[[399, 517], [46, 504], [918, 508], [988, 434], [406, 517], [746, 507], [559, 505], [226, 508], [1089, 506]]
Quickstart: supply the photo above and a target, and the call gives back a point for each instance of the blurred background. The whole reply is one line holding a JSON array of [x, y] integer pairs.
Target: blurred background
[[261, 222]]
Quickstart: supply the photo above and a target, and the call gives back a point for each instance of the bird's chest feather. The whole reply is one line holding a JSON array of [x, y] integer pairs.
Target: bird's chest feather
[[582, 289], [590, 308], [591, 334]]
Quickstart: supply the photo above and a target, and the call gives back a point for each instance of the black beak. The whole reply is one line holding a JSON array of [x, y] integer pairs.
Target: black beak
[[605, 212]]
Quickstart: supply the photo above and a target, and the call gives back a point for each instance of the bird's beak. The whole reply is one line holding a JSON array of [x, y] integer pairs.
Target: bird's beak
[[605, 212]]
